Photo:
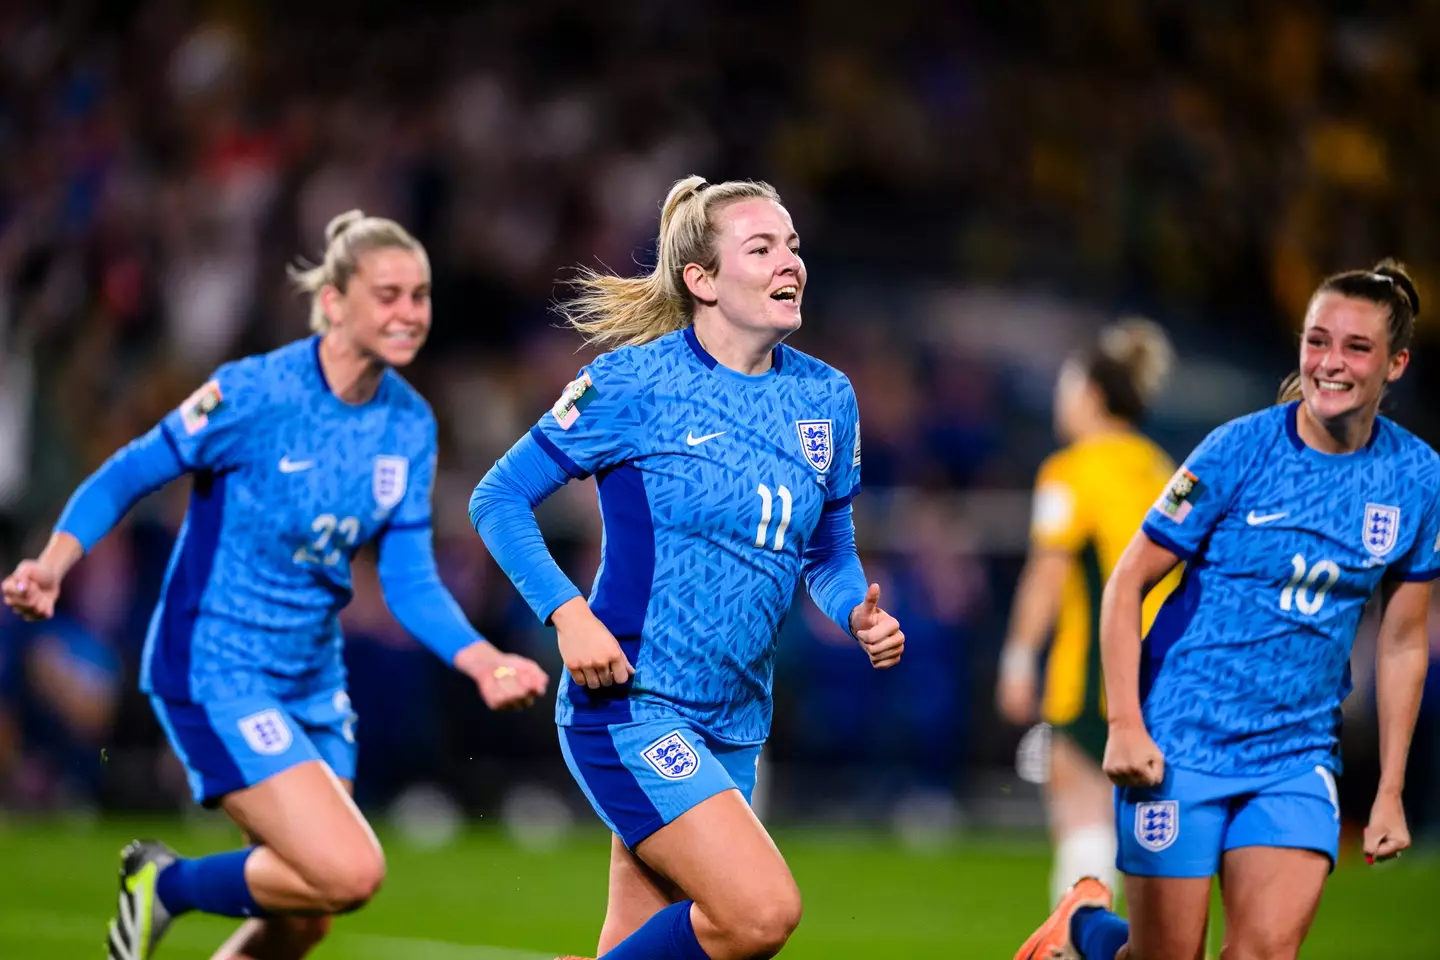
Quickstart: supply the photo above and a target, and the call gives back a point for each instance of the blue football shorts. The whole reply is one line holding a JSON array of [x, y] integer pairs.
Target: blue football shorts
[[1183, 827], [236, 742], [640, 775]]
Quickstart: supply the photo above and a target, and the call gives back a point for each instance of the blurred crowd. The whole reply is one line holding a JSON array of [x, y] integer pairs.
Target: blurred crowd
[[977, 186]]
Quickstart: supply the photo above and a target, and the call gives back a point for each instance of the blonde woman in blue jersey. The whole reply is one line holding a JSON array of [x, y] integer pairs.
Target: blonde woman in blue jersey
[[299, 457], [1224, 723], [725, 463]]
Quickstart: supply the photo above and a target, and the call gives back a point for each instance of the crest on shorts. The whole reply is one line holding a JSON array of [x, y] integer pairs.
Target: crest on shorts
[[391, 473], [266, 732], [195, 411], [672, 757], [1157, 824], [815, 443], [1382, 528]]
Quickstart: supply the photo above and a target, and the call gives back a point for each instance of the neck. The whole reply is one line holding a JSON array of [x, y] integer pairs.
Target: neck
[[353, 375], [744, 351], [1103, 426], [1342, 435]]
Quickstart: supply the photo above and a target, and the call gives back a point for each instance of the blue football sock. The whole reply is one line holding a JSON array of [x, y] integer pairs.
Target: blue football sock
[[1098, 934], [214, 884], [669, 935]]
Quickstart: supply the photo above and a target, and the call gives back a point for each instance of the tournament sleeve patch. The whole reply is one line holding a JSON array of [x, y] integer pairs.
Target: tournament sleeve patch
[[579, 394], [195, 411], [1054, 510], [855, 460], [1180, 496]]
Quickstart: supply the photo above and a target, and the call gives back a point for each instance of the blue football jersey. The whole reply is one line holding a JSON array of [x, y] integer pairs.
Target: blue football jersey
[[1245, 668], [711, 483], [289, 481]]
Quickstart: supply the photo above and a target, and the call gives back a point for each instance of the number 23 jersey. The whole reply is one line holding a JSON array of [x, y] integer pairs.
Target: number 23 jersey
[[289, 481], [1248, 662], [711, 483]]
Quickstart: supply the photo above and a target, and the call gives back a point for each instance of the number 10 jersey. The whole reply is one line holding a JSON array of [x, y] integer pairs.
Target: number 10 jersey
[[1248, 661]]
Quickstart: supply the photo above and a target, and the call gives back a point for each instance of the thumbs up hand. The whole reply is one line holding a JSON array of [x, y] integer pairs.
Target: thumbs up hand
[[878, 632]]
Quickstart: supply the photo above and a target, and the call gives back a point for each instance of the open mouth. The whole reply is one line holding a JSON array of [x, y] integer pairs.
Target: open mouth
[[786, 294], [1333, 386]]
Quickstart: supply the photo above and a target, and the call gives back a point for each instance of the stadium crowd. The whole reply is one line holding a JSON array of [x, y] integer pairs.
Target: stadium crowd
[[975, 185]]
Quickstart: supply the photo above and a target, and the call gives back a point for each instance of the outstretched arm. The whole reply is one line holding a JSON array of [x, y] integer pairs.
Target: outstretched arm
[[139, 468], [426, 609]]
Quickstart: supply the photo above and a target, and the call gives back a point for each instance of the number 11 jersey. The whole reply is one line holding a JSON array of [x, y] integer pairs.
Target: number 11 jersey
[[1248, 662], [711, 483]]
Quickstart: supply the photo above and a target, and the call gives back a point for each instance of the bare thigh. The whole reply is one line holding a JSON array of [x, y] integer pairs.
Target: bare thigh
[[1168, 916], [319, 854], [719, 854], [637, 893], [1271, 895]]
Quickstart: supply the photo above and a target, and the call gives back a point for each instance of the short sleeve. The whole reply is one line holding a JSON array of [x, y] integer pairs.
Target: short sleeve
[[414, 508], [1057, 517], [208, 428], [1199, 493], [598, 420], [843, 480], [1422, 561]]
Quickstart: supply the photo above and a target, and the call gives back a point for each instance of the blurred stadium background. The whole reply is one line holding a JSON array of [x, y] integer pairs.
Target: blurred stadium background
[[978, 186]]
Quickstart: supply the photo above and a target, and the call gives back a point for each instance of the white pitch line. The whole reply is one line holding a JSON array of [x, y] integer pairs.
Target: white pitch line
[[28, 927]]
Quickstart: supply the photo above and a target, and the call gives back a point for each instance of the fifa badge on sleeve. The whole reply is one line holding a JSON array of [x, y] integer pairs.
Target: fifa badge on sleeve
[[195, 411], [1181, 494], [578, 394]]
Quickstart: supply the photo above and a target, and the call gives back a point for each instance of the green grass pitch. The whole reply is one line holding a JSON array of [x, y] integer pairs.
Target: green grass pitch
[[483, 898]]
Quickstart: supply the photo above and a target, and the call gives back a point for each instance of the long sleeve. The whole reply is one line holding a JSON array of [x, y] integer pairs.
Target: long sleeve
[[415, 595], [833, 574], [139, 468], [502, 509]]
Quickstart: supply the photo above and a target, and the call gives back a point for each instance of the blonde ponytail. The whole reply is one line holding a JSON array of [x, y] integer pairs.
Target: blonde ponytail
[[613, 311], [1143, 350], [347, 237]]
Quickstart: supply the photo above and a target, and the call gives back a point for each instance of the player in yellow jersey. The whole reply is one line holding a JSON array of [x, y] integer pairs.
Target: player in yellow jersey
[[1090, 498]]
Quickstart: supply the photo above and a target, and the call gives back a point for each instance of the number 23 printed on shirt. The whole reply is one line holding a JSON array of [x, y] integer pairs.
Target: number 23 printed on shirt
[[329, 531]]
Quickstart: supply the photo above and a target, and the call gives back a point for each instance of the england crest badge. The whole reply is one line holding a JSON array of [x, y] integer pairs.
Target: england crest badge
[[815, 443], [1157, 824], [266, 732], [388, 484], [672, 757], [1382, 528]]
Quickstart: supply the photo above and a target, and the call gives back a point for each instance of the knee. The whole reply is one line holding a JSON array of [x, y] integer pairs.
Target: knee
[[766, 926], [1251, 944], [348, 883]]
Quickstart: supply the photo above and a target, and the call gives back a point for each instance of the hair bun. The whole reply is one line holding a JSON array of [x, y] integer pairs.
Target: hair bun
[[339, 224], [1142, 348], [1396, 272]]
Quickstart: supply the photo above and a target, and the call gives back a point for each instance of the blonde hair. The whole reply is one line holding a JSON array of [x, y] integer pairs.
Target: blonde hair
[[614, 311], [1128, 365], [347, 237]]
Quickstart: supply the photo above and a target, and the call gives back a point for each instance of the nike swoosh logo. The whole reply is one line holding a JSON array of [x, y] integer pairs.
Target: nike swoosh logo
[[1256, 521], [294, 466], [693, 441]]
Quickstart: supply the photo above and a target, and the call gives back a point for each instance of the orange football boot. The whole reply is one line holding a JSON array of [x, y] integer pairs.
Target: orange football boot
[[1052, 940]]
